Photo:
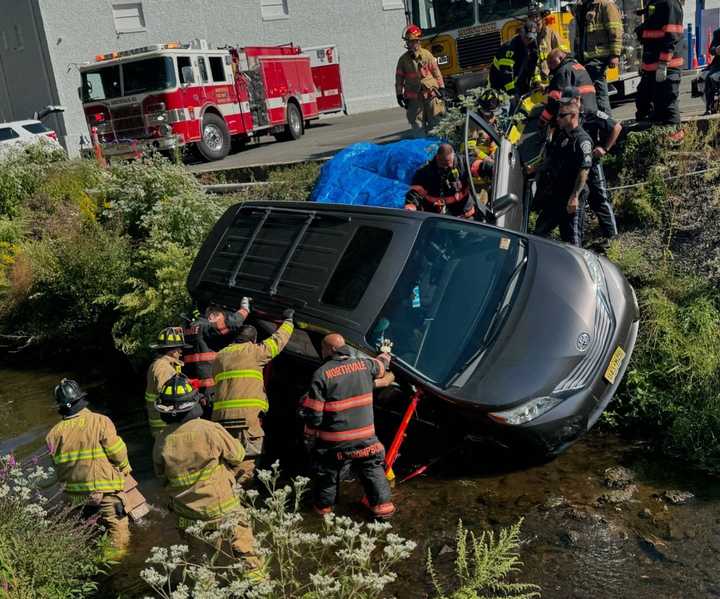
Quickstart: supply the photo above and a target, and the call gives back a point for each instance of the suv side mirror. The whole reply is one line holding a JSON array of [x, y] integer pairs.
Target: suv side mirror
[[504, 203], [188, 75]]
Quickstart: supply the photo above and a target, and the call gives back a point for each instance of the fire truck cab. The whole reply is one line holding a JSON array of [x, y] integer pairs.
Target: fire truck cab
[[168, 96]]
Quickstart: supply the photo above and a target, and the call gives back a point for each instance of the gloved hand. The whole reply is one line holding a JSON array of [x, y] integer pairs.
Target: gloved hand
[[288, 314], [661, 73], [443, 94], [245, 304], [400, 100]]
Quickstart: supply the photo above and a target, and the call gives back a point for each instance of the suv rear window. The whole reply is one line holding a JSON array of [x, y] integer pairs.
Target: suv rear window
[[357, 267], [7, 133], [35, 128]]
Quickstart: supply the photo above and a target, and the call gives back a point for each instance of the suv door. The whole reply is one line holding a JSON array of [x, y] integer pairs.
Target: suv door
[[506, 191]]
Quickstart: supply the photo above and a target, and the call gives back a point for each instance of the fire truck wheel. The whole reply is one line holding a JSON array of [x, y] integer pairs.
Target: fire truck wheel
[[294, 127], [215, 142]]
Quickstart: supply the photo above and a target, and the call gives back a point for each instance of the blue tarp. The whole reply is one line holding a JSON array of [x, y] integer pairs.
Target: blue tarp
[[371, 174]]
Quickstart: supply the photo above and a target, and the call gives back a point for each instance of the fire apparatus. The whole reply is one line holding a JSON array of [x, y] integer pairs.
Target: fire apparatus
[[465, 34], [168, 96]]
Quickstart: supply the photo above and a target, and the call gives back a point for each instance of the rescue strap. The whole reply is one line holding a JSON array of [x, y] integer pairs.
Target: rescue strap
[[199, 357], [242, 402], [340, 405], [353, 434], [190, 478]]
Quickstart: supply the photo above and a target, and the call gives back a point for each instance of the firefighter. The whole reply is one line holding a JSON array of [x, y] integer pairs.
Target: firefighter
[[240, 389], [339, 425], [712, 76], [419, 84], [598, 43], [441, 185], [197, 461], [170, 345], [514, 67], [567, 72], [660, 34], [604, 132], [562, 189], [207, 335], [92, 461], [547, 39]]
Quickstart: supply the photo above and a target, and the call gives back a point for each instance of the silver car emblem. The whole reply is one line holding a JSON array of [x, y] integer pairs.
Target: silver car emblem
[[583, 341]]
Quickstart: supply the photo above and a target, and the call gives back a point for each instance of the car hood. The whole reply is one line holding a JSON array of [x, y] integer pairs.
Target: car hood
[[538, 345]]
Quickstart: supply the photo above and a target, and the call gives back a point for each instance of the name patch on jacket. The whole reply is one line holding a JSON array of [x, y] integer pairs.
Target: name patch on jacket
[[358, 366]]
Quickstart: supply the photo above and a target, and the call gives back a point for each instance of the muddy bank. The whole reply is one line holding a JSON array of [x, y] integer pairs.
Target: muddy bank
[[606, 519]]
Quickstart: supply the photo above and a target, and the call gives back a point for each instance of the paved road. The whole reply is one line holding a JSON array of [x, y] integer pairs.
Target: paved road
[[330, 134]]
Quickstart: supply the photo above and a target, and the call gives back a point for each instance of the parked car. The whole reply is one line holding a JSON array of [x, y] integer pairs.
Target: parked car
[[16, 134], [528, 338]]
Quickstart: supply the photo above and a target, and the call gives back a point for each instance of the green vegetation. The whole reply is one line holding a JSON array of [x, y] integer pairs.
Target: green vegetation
[[669, 252], [44, 551]]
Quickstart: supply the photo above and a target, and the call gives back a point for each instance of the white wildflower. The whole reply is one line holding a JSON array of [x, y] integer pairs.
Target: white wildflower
[[152, 577]]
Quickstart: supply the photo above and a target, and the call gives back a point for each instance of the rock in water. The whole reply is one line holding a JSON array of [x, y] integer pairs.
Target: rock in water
[[618, 477], [676, 497]]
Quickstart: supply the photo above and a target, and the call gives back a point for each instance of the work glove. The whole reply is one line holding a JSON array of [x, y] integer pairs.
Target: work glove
[[288, 314], [661, 73], [245, 304], [400, 100]]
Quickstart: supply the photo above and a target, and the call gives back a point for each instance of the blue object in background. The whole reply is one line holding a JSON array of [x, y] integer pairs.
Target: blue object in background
[[416, 297], [373, 175]]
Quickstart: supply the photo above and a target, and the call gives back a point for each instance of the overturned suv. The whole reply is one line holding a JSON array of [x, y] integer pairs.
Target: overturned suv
[[525, 338]]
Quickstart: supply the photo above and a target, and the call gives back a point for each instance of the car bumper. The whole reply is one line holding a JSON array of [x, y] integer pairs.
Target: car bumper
[[130, 149]]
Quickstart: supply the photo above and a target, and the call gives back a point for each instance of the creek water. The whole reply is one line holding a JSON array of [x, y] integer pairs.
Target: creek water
[[581, 539]]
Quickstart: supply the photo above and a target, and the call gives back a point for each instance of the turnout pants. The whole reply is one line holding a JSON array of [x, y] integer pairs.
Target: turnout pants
[[658, 102], [553, 213], [328, 465], [423, 113], [252, 436], [599, 200], [597, 69], [110, 513]]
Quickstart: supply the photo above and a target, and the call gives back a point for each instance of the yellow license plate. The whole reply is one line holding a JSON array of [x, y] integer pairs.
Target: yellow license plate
[[614, 366]]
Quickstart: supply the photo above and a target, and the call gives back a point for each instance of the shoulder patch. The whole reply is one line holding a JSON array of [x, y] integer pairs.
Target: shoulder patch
[[602, 115], [586, 146]]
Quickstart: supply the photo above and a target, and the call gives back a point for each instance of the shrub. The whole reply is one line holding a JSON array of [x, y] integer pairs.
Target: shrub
[[44, 552]]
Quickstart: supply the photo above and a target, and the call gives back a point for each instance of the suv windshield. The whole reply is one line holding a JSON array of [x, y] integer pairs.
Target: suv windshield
[[451, 298], [139, 76]]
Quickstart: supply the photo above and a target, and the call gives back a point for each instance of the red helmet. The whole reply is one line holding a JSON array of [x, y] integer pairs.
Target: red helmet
[[412, 32]]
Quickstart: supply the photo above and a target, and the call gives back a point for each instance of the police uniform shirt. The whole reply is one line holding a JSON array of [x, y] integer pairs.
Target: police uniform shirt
[[569, 152], [598, 126]]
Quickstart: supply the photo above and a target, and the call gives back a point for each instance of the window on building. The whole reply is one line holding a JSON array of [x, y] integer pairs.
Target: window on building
[[183, 61], [129, 17], [357, 267], [393, 4], [217, 68], [274, 9], [6, 133], [203, 69]]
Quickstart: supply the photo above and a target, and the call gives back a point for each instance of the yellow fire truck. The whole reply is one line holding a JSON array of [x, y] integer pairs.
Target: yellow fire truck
[[465, 34]]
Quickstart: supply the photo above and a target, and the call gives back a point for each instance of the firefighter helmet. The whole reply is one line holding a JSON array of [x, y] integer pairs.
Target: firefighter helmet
[[177, 396], [68, 392], [170, 338], [412, 32]]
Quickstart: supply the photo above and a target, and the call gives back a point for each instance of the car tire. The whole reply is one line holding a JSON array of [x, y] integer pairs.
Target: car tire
[[215, 141], [294, 128]]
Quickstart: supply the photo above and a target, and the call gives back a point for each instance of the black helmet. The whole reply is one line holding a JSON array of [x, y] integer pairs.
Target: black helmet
[[247, 333], [68, 392], [178, 396], [170, 338]]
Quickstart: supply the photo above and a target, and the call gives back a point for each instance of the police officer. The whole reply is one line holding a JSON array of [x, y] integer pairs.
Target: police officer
[[562, 189], [441, 186], [419, 85], [712, 76], [170, 345], [567, 72], [339, 425], [207, 335], [598, 42], [514, 67], [92, 461], [660, 34], [240, 397], [197, 460]]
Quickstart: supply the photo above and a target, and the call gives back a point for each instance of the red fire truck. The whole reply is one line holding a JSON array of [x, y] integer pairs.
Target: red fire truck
[[168, 96]]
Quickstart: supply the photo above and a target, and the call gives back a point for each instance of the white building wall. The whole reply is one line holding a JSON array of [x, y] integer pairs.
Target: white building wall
[[367, 37]]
